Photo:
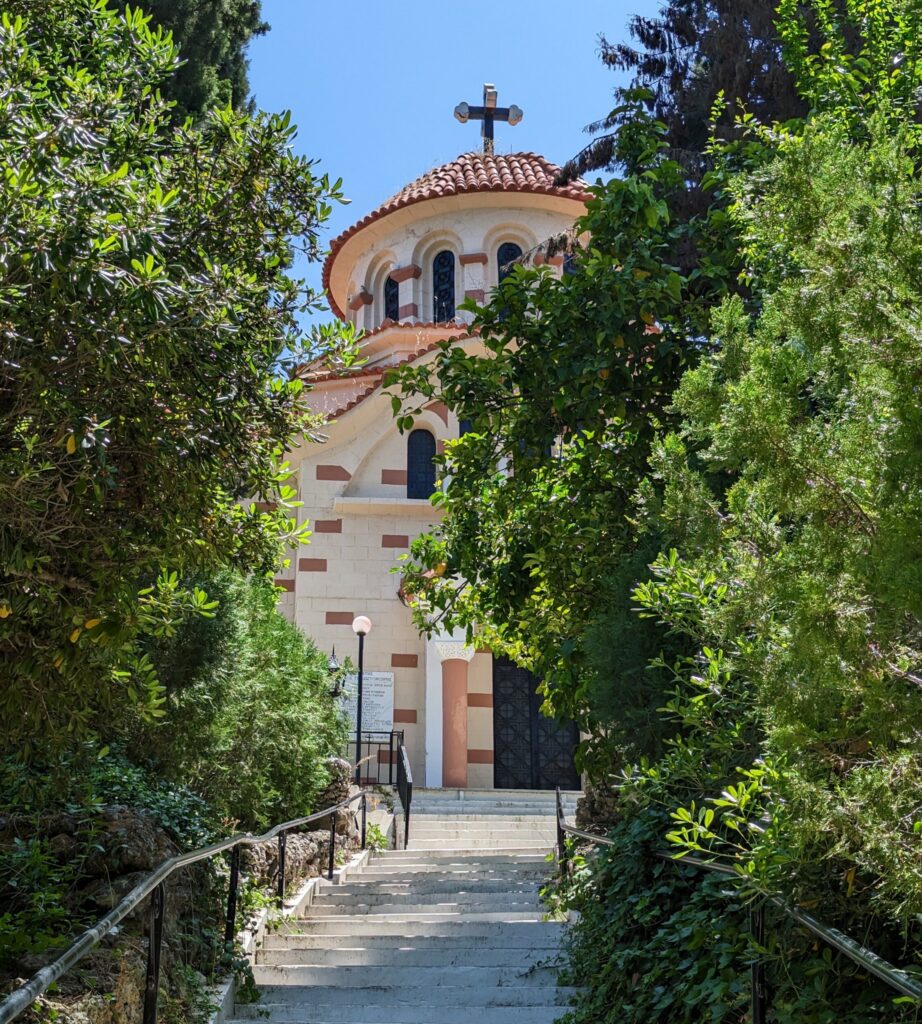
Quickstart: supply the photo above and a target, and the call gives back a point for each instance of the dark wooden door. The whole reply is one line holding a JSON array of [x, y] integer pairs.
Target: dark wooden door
[[529, 750]]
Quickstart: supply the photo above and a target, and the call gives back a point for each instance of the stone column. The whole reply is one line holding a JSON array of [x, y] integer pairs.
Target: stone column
[[454, 657], [474, 271], [405, 276]]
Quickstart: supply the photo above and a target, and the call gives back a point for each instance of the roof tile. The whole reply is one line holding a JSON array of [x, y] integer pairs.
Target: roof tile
[[470, 172]]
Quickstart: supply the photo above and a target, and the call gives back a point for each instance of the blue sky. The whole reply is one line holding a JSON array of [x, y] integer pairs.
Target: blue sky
[[372, 86]]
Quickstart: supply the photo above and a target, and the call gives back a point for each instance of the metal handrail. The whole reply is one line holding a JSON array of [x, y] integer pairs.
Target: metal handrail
[[876, 965], [23, 997], [404, 790]]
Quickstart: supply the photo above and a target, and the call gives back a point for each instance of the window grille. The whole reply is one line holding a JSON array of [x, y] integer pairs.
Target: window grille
[[506, 255], [391, 299], [443, 287], [420, 464]]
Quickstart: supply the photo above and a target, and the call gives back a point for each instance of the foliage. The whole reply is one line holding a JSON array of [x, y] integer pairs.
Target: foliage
[[577, 385], [145, 306], [656, 942], [375, 839], [41, 877], [249, 720], [212, 37], [693, 54], [758, 507]]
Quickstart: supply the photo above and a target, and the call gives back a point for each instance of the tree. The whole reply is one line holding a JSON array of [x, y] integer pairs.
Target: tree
[[249, 720], [579, 380], [146, 306], [212, 36], [695, 56]]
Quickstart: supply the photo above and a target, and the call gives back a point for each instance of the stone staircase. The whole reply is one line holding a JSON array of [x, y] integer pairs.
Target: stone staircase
[[449, 930]]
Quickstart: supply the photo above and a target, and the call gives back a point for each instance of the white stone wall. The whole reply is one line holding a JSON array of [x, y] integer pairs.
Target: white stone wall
[[361, 524], [467, 224], [353, 486]]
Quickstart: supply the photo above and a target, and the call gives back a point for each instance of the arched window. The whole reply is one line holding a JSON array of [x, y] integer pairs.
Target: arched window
[[443, 286], [391, 299], [420, 464], [506, 255]]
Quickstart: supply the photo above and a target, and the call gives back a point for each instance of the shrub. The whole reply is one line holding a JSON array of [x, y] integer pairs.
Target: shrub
[[250, 721]]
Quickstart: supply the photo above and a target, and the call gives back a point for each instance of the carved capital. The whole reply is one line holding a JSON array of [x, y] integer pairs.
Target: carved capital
[[453, 650]]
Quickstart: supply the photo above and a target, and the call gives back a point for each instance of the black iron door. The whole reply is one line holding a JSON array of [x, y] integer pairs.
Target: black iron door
[[529, 750]]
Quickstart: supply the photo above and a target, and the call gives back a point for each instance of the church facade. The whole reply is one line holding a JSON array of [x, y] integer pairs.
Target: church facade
[[399, 273]]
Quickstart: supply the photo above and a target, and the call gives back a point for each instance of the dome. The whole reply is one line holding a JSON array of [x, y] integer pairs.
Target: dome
[[468, 174]]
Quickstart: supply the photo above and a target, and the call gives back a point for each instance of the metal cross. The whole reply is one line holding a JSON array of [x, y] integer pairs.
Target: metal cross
[[488, 113]]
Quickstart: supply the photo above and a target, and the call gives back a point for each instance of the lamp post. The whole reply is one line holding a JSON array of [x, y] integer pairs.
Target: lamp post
[[333, 668], [361, 626]]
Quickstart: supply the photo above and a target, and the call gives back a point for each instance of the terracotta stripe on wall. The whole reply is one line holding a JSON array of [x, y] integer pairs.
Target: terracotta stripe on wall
[[312, 564], [405, 715], [265, 506], [339, 618], [404, 660], [480, 757], [480, 700], [476, 294], [328, 526], [440, 409], [472, 257], [333, 473], [395, 540], [410, 309], [288, 585], [394, 476], [406, 273]]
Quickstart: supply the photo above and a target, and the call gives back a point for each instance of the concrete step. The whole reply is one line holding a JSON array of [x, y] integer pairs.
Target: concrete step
[[378, 921], [450, 928], [408, 897], [395, 1013], [283, 978], [448, 793], [437, 872], [491, 817], [398, 957], [508, 935], [468, 845], [480, 828], [508, 854], [430, 887], [519, 904]]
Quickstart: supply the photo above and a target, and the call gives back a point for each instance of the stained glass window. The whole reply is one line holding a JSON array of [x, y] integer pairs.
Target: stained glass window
[[506, 255], [420, 464], [391, 299], [443, 286]]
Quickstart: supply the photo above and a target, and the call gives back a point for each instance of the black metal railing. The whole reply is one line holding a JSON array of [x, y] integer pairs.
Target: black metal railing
[[23, 997], [404, 789], [377, 754], [866, 958]]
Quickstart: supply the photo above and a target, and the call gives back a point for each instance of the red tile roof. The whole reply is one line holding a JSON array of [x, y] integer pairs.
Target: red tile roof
[[378, 372], [469, 173]]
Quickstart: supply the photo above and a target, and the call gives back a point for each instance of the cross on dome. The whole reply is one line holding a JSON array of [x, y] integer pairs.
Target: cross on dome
[[488, 113]]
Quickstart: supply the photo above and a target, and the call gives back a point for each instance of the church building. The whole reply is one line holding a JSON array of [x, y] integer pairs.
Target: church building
[[399, 273]]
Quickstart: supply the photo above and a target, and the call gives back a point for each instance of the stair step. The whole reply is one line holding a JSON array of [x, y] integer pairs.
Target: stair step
[[397, 957], [429, 935], [462, 932], [429, 887], [396, 1013]]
